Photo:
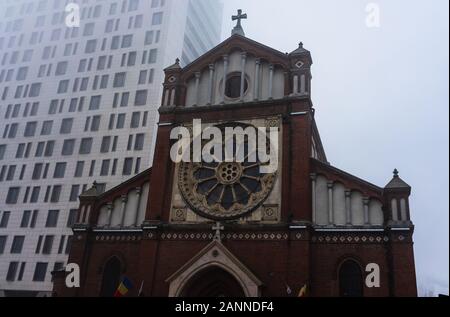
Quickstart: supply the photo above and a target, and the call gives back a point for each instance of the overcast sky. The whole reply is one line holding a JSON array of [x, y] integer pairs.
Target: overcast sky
[[381, 96]]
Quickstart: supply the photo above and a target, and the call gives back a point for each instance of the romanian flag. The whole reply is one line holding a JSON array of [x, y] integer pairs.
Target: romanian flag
[[123, 288], [303, 291]]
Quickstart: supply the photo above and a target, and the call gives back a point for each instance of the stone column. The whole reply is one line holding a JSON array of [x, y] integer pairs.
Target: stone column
[[138, 196], [172, 97], [87, 215], [197, 87], [124, 209], [313, 189], [166, 97], [225, 74], [81, 215], [330, 186], [271, 68], [110, 213], [303, 84], [295, 85], [348, 207], [366, 201], [210, 83], [243, 63], [394, 209], [257, 74]]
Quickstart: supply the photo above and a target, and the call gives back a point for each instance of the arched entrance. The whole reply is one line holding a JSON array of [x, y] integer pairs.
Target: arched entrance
[[214, 271], [111, 277], [212, 282], [350, 279]]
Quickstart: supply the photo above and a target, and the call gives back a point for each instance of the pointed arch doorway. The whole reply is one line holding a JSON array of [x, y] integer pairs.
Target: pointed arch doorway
[[214, 272], [212, 282]]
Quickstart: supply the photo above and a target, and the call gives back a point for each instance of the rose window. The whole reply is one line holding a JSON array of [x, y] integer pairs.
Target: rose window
[[225, 190]]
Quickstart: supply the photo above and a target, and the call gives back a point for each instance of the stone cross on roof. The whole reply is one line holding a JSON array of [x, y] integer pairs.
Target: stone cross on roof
[[238, 28]]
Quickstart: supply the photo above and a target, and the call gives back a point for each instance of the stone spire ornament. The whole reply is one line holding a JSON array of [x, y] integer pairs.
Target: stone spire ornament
[[238, 28]]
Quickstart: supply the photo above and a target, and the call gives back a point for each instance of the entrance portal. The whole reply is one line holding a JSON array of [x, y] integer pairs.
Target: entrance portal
[[213, 282]]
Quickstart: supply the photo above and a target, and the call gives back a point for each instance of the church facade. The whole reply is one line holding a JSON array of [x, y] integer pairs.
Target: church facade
[[226, 229]]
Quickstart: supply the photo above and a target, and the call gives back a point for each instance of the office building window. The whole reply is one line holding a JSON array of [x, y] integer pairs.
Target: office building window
[[63, 86], [85, 146], [49, 146], [131, 59], [20, 150], [2, 151], [106, 142], [60, 170], [119, 80], [66, 126], [135, 119], [68, 147], [13, 195], [127, 41], [95, 125], [124, 100], [21, 271], [141, 97], [22, 73], [157, 18], [120, 121], [127, 166], [149, 37], [73, 215], [30, 129], [4, 219], [61, 68], [37, 171], [17, 244], [133, 5], [40, 271], [142, 77], [68, 245], [79, 169], [2, 244], [52, 219], [48, 244], [89, 29], [53, 108], [12, 271], [139, 142], [56, 192], [115, 42], [105, 168], [95, 103], [91, 46], [153, 56], [74, 192], [46, 127], [35, 90], [92, 168], [26, 217], [11, 172], [35, 194]]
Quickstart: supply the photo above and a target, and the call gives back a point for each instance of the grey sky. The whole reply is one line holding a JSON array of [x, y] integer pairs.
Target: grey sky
[[381, 97]]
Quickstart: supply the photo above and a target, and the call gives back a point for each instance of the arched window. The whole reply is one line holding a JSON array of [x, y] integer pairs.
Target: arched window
[[111, 277], [350, 279]]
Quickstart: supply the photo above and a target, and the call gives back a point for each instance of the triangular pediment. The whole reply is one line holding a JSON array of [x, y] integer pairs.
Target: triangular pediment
[[233, 43]]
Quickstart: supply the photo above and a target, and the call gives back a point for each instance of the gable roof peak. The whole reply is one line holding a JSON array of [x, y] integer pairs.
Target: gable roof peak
[[300, 50], [397, 182]]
